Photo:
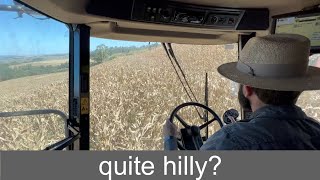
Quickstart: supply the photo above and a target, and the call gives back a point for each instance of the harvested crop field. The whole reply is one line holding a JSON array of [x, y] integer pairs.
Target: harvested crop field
[[131, 97]]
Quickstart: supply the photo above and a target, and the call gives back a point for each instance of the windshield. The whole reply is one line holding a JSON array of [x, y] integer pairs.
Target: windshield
[[133, 93]]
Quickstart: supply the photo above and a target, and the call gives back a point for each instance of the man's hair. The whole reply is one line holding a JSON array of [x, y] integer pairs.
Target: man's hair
[[274, 97]]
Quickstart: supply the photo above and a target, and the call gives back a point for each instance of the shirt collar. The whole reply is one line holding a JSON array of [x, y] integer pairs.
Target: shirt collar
[[283, 111]]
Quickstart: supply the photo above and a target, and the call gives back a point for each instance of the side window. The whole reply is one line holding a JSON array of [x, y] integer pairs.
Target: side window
[[309, 101], [33, 78]]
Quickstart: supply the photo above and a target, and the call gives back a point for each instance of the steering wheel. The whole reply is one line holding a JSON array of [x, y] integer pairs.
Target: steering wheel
[[190, 135]]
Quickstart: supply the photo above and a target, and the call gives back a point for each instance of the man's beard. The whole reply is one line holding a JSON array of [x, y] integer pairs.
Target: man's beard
[[244, 102]]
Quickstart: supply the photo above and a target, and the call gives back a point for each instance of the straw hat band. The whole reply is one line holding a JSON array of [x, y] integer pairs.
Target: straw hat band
[[273, 70]]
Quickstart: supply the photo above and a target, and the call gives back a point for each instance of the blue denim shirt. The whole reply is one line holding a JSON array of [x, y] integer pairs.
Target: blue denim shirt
[[269, 128]]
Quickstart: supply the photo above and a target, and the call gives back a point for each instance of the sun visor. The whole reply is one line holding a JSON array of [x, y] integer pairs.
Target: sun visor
[[111, 30]]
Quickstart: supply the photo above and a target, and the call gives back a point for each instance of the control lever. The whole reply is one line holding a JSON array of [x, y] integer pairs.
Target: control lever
[[230, 116]]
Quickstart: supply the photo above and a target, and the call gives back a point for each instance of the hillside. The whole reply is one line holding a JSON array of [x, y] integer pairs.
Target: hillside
[[131, 97]]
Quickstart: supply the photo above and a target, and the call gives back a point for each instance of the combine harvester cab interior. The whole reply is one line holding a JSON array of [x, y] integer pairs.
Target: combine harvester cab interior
[[196, 22]]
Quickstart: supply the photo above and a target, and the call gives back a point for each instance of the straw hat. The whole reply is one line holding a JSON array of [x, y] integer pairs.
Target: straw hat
[[275, 62]]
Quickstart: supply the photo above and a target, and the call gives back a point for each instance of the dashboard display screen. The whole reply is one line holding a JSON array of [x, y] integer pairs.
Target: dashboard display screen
[[308, 26]]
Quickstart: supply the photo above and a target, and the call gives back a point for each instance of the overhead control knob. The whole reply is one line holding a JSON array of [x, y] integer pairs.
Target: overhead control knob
[[149, 9], [165, 14], [214, 19], [231, 21], [154, 10]]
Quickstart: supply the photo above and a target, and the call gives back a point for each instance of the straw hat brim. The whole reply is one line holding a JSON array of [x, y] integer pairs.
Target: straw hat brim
[[311, 81]]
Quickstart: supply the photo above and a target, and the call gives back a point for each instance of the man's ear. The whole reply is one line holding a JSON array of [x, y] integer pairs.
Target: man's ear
[[247, 91]]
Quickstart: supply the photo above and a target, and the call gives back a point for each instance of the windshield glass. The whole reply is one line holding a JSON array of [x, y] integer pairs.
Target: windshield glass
[[33, 76], [133, 92]]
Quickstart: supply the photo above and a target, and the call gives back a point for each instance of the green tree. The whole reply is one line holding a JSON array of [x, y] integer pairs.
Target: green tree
[[101, 53]]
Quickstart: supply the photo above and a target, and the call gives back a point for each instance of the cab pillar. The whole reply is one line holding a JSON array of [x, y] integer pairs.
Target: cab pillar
[[79, 89]]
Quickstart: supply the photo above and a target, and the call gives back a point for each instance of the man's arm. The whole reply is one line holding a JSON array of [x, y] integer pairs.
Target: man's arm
[[170, 134], [222, 140], [170, 143]]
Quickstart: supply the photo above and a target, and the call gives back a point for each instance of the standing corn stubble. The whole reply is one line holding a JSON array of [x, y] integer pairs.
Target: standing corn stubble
[[270, 83]]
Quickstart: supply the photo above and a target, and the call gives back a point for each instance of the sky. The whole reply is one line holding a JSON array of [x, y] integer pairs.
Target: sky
[[31, 36]]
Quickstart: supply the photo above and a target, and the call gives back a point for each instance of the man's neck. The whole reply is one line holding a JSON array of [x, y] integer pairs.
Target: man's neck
[[257, 105]]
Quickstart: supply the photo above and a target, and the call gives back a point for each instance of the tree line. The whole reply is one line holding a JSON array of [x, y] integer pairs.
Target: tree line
[[104, 53], [100, 54], [8, 72]]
